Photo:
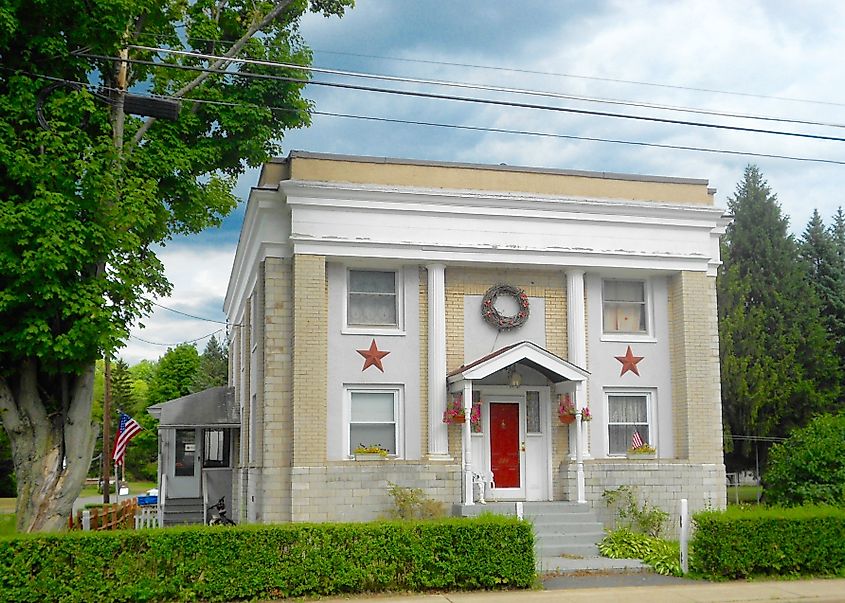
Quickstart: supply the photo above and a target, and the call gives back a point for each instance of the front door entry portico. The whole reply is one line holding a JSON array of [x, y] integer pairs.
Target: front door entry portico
[[504, 445]]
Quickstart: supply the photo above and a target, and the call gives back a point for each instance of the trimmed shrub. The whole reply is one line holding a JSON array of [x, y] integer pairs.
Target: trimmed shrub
[[266, 562], [809, 467], [739, 542]]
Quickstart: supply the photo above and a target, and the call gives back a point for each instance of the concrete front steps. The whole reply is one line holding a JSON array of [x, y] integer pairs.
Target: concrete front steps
[[182, 511], [566, 536]]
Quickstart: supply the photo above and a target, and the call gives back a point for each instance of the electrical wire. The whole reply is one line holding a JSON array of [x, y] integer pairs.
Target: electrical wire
[[484, 87], [219, 322], [131, 336], [485, 129], [477, 100]]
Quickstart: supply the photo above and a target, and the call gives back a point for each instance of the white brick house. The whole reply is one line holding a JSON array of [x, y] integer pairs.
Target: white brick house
[[358, 293]]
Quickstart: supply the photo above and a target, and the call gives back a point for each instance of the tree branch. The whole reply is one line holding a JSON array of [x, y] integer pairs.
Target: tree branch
[[231, 53]]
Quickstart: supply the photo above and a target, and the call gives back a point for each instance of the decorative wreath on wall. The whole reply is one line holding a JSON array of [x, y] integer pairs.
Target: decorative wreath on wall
[[494, 317]]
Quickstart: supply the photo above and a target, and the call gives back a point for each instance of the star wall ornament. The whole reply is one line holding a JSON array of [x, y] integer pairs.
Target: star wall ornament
[[629, 362], [372, 357]]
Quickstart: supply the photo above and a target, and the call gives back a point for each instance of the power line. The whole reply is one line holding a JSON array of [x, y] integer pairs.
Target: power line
[[219, 322], [539, 72], [485, 129], [476, 100], [486, 87], [587, 77], [177, 343]]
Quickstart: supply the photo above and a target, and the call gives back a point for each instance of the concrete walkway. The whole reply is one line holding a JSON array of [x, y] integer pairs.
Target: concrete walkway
[[803, 591]]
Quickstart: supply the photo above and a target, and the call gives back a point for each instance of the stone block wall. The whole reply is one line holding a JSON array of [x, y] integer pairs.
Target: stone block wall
[[358, 490], [662, 483]]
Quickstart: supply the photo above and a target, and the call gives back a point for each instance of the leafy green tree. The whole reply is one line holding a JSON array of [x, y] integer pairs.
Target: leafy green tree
[[214, 366], [809, 467], [85, 200], [818, 248], [176, 373], [778, 365]]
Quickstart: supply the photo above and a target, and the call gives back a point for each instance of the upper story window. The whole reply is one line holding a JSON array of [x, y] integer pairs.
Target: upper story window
[[373, 299], [624, 307]]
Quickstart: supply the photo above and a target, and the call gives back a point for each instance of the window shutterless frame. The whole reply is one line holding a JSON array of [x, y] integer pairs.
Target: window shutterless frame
[[373, 302], [628, 411], [625, 307], [373, 417]]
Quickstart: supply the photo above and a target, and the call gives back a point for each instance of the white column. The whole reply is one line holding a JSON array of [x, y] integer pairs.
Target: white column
[[576, 326], [581, 487], [466, 441], [438, 434]]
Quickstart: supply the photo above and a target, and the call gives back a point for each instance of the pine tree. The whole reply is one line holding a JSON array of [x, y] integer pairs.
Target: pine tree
[[778, 365], [214, 366], [827, 276]]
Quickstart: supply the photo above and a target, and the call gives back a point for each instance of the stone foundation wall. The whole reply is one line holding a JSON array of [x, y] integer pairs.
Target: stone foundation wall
[[661, 483], [358, 491]]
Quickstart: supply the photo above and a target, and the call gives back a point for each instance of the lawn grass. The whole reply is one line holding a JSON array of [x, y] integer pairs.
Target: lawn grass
[[7, 523], [747, 495], [7, 505], [134, 488]]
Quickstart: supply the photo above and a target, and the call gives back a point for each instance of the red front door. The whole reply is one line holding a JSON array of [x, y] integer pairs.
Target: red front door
[[504, 444]]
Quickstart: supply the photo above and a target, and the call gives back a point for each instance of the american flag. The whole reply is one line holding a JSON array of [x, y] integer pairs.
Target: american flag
[[636, 440], [127, 429]]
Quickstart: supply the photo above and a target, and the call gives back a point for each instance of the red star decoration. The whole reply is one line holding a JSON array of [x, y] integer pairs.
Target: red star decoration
[[629, 362], [372, 357]]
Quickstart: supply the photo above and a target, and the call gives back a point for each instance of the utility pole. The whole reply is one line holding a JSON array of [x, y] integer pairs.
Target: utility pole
[[107, 432]]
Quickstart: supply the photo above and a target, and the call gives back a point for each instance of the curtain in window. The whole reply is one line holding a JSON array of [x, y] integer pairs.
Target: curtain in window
[[624, 306], [373, 420], [627, 415], [372, 298]]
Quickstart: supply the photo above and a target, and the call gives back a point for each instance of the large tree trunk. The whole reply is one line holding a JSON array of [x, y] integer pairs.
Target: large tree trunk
[[52, 439]]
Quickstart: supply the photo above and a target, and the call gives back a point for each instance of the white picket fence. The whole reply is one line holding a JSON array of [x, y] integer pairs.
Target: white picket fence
[[146, 517]]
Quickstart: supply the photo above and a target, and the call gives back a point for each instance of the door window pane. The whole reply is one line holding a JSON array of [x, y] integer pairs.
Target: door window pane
[[186, 449], [532, 412], [372, 298]]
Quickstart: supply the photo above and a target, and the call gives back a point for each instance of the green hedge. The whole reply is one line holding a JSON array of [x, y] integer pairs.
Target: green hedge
[[743, 542], [249, 562]]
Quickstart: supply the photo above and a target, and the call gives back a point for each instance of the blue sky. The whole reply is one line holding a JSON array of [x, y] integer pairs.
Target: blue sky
[[774, 57]]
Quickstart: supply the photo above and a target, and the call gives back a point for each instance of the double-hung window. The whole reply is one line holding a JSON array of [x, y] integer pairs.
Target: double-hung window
[[373, 299], [627, 413], [374, 419], [624, 307]]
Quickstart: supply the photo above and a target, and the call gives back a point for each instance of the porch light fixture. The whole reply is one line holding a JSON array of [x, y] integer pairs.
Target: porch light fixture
[[514, 378]]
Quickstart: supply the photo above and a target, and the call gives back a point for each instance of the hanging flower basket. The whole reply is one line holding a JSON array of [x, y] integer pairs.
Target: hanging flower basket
[[567, 412], [455, 414]]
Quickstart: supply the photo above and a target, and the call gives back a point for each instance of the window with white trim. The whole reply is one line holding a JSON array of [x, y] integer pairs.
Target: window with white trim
[[624, 306], [374, 419], [627, 413], [372, 298]]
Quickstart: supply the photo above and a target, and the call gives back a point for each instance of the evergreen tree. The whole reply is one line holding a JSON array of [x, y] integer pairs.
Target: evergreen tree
[[837, 233], [778, 365], [827, 276], [214, 366]]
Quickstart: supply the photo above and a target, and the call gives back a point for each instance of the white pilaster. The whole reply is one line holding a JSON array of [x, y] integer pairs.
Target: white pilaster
[[438, 435]]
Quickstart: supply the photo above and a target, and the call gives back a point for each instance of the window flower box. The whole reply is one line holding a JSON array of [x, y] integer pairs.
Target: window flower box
[[370, 453]]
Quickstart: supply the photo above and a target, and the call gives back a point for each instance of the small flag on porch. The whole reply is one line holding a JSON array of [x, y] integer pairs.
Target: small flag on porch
[[636, 440], [127, 429]]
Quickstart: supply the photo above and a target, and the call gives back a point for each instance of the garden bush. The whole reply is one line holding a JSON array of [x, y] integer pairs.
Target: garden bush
[[743, 542], [661, 555], [265, 562], [809, 467]]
